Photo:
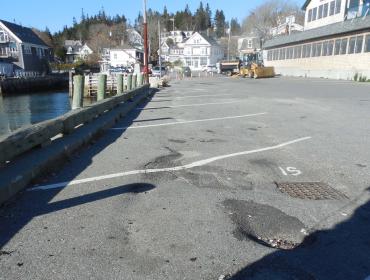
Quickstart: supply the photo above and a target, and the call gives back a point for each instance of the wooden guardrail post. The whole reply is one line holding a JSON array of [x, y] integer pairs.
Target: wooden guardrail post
[[102, 87], [134, 81], [70, 83], [140, 79], [78, 91], [129, 82], [120, 84]]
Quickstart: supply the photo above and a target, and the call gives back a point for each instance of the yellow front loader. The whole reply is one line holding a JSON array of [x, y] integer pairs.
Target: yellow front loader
[[253, 68]]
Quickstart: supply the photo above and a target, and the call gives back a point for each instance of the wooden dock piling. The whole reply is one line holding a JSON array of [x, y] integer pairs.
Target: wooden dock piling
[[78, 91], [134, 81], [120, 84], [102, 87], [129, 82]]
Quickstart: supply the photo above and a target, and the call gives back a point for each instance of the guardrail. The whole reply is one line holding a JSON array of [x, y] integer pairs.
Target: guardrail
[[37, 135]]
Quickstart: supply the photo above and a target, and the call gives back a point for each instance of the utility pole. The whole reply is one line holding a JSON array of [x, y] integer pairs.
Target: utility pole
[[173, 23], [146, 52], [228, 45], [159, 50]]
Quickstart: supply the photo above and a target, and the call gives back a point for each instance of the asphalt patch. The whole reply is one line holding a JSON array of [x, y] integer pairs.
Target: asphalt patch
[[213, 140], [165, 160], [180, 141], [215, 177], [265, 224]]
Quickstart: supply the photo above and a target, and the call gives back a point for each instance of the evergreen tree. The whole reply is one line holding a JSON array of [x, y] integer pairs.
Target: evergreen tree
[[201, 18], [209, 16], [235, 27], [220, 23]]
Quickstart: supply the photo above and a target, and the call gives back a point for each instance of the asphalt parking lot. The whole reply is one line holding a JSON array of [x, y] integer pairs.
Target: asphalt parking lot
[[211, 178]]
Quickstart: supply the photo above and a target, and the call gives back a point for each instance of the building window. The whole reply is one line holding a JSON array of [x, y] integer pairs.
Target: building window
[[318, 49], [27, 50], [115, 56], [330, 47], [298, 52], [249, 44], [332, 8], [338, 3], [307, 50], [325, 48], [351, 45], [281, 54], [309, 18], [343, 46], [313, 50], [359, 41], [3, 36], [367, 43], [275, 55], [188, 61], [203, 61], [337, 47], [325, 12], [321, 8], [314, 14]]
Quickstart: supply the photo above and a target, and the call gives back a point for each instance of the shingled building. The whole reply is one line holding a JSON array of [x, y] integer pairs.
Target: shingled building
[[335, 43]]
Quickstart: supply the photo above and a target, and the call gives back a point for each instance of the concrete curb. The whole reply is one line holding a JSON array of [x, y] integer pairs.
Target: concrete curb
[[18, 174]]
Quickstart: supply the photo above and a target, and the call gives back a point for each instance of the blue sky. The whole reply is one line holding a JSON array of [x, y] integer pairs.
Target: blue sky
[[57, 13]]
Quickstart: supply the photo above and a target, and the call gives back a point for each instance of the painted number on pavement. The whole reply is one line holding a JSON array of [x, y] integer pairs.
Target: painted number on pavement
[[292, 171]]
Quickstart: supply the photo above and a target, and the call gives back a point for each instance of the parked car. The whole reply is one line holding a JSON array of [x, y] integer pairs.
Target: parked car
[[204, 68], [186, 71], [211, 69], [159, 71]]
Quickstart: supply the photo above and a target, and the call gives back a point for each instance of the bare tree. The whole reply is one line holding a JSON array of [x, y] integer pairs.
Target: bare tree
[[270, 14]]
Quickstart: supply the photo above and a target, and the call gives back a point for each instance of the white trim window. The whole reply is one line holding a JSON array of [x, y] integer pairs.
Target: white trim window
[[249, 44], [27, 49], [3, 36]]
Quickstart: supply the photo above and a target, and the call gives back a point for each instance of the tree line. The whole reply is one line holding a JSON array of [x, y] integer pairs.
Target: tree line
[[103, 31]]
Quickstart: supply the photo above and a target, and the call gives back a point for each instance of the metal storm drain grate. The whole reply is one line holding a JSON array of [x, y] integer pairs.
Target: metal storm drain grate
[[310, 190]]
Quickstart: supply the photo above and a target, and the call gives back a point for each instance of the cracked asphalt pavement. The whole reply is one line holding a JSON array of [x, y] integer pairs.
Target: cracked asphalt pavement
[[185, 188]]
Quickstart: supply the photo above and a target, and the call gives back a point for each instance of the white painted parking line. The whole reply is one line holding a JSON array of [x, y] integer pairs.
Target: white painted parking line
[[185, 122], [190, 105], [193, 96], [168, 169]]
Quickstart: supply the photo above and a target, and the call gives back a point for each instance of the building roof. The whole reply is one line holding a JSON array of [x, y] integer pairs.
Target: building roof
[[25, 34], [305, 4], [72, 43], [209, 39], [338, 28]]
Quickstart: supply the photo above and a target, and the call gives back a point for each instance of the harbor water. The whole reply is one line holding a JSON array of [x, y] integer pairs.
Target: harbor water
[[24, 109]]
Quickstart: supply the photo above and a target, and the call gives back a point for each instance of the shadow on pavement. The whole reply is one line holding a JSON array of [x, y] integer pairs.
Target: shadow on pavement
[[19, 211], [339, 253]]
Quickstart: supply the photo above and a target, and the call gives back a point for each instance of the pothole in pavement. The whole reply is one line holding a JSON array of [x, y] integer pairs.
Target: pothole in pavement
[[310, 190], [265, 224]]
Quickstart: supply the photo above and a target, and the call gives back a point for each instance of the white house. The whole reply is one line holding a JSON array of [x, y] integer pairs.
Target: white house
[[76, 50], [135, 39], [125, 57], [177, 36], [201, 50], [248, 44], [287, 27]]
